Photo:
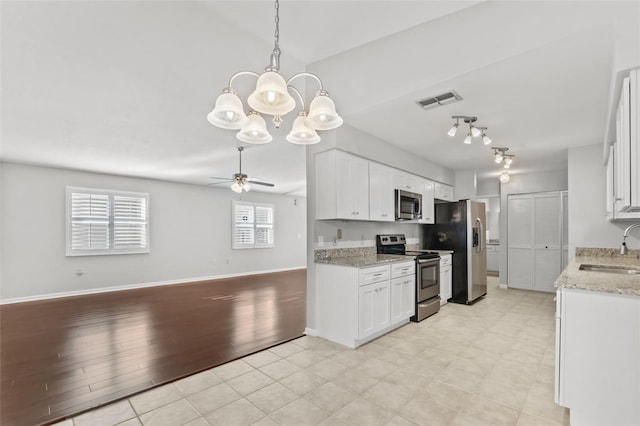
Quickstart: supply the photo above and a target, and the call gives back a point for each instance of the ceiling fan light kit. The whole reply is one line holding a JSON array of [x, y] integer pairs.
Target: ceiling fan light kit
[[240, 181], [271, 96]]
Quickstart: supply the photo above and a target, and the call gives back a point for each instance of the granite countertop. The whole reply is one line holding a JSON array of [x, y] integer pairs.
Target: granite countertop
[[360, 261], [573, 277]]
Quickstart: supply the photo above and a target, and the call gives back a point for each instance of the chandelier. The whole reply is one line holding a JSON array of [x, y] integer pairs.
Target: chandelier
[[271, 96], [474, 131]]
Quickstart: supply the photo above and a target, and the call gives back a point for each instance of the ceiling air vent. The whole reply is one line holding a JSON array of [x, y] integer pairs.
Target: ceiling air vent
[[440, 100]]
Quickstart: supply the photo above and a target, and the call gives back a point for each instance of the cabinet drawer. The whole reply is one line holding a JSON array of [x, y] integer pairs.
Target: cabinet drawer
[[374, 274], [492, 248], [445, 260], [401, 269]]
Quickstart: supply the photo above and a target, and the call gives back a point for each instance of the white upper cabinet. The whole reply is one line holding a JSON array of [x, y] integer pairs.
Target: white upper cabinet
[[407, 182], [381, 192], [443, 192], [342, 186], [428, 214], [623, 165], [354, 188]]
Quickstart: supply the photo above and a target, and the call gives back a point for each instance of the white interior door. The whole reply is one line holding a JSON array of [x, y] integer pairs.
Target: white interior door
[[547, 233], [520, 241]]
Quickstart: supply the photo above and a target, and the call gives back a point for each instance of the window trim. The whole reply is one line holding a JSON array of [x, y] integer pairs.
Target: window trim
[[71, 252], [234, 224]]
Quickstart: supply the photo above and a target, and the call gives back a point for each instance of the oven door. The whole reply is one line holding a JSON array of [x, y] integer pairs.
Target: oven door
[[427, 279]]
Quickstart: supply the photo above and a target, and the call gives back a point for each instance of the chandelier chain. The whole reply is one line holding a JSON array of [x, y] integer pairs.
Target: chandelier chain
[[277, 32]]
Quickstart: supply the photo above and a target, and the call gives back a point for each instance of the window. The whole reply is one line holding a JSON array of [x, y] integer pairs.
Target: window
[[252, 225], [106, 222]]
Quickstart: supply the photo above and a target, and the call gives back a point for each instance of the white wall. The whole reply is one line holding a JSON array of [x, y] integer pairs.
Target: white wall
[[588, 226], [190, 234], [522, 184]]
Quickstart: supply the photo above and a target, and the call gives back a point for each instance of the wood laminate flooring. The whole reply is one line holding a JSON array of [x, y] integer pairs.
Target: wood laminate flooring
[[59, 357]]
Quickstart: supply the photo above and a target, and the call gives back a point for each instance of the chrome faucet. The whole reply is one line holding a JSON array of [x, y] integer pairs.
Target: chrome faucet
[[623, 247]]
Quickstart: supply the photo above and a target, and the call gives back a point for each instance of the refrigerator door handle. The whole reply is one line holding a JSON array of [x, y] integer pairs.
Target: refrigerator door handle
[[480, 234]]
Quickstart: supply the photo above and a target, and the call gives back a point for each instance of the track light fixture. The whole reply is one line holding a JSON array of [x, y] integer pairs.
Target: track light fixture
[[473, 132], [504, 177], [271, 96]]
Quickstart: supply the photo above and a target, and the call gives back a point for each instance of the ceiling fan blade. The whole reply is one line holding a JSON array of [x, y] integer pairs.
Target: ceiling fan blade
[[219, 183], [257, 182]]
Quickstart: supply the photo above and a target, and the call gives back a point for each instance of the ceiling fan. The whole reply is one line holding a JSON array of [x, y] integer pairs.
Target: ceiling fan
[[240, 181]]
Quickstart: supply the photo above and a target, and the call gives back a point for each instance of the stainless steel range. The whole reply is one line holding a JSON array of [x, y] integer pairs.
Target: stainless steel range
[[427, 273]]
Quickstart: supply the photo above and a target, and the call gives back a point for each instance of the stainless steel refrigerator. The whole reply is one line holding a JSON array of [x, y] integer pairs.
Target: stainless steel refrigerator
[[460, 226]]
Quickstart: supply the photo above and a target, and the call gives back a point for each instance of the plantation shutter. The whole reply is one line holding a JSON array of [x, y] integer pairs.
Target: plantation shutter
[[264, 226], [243, 235], [129, 222], [89, 221]]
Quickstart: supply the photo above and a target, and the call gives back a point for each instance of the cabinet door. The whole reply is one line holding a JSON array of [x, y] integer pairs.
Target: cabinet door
[[382, 306], [623, 150], [366, 310], [381, 194], [428, 215], [445, 283], [409, 296], [443, 192], [397, 299], [352, 187], [403, 299]]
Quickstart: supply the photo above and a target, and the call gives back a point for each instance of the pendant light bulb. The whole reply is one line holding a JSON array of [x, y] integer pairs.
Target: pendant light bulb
[[301, 134], [228, 112], [504, 177], [475, 131], [467, 140], [499, 158]]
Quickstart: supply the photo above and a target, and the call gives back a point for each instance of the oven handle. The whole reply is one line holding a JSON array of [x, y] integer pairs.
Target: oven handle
[[434, 261]]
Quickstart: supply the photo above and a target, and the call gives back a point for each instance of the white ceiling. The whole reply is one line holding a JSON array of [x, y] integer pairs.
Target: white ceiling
[[124, 87]]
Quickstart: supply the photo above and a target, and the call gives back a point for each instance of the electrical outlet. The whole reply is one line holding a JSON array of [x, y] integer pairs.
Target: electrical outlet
[[339, 234]]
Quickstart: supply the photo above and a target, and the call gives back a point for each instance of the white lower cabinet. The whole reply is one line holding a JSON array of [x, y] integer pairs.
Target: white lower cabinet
[[357, 305], [403, 291], [445, 278], [598, 357], [373, 308]]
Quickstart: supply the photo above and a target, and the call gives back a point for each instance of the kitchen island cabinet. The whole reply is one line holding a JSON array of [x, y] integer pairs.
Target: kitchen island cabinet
[[359, 304]]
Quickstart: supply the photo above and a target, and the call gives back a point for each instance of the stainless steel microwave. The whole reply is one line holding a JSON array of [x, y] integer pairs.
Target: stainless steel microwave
[[408, 205]]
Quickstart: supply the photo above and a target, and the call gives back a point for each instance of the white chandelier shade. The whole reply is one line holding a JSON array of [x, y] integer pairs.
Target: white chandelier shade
[[301, 134], [322, 113], [255, 131], [228, 112], [504, 177], [271, 95]]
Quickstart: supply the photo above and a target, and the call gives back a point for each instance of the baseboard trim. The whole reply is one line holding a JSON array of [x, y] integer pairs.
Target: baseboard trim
[[141, 285], [503, 285], [310, 331]]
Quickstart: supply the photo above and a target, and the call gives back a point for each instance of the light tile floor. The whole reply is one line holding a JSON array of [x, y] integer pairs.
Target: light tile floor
[[489, 363]]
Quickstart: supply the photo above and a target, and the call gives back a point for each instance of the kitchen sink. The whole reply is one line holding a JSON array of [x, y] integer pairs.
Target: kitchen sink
[[611, 269]]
